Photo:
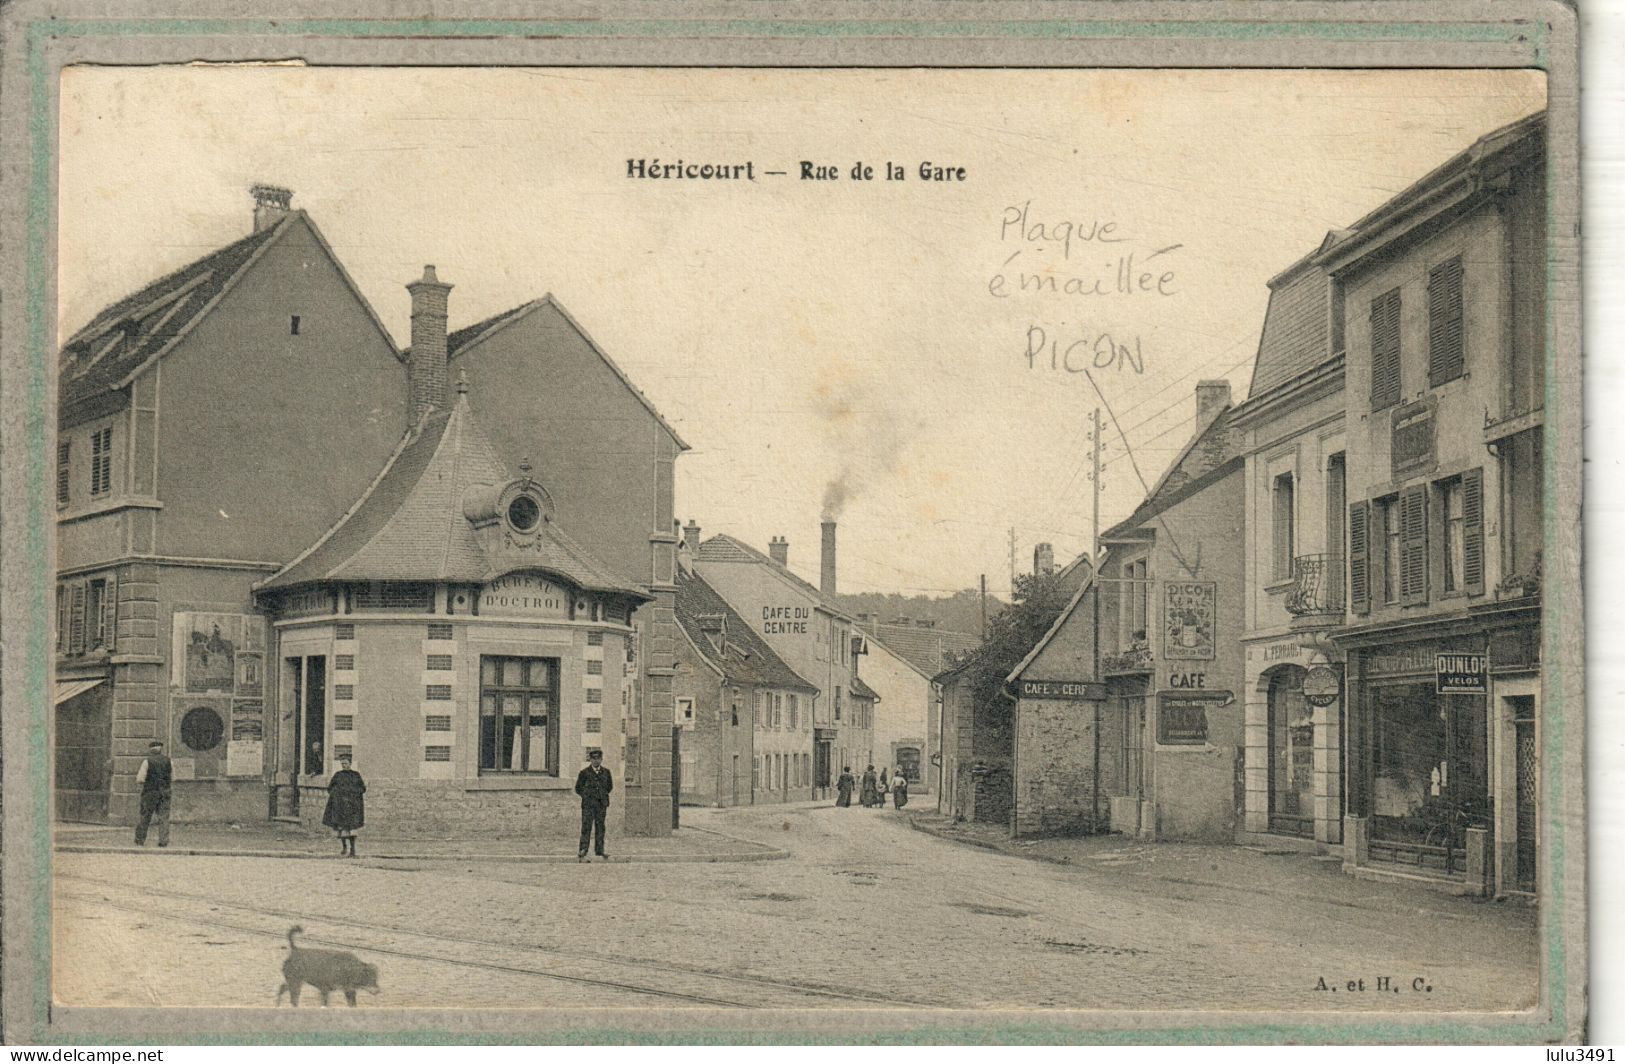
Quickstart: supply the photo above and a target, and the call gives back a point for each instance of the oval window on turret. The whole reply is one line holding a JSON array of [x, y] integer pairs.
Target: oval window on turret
[[524, 513]]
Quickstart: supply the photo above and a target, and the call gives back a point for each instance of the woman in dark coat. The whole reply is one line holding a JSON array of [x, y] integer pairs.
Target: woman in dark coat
[[346, 809], [843, 787], [869, 797]]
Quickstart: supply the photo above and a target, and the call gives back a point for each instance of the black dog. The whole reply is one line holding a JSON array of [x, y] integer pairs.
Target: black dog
[[325, 969]]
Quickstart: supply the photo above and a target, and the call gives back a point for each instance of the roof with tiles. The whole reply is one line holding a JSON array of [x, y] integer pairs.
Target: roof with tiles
[[928, 650], [460, 341], [410, 524], [121, 338], [724, 639], [1297, 329], [1216, 446], [860, 689], [725, 548]]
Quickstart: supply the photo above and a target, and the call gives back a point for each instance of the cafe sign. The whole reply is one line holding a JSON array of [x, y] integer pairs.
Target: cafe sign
[[1064, 690], [1461, 674]]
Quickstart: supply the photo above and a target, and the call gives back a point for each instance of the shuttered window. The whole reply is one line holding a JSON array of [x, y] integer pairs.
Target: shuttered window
[[1446, 358], [1385, 373], [101, 461], [63, 451], [1413, 545], [76, 627], [64, 617], [1472, 534], [1360, 558], [1451, 538]]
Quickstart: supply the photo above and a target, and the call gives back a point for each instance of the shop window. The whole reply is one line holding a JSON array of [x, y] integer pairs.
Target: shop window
[[1291, 754], [437, 722], [519, 718], [1429, 766], [1385, 358], [101, 462], [63, 453], [1446, 357], [908, 763], [202, 729]]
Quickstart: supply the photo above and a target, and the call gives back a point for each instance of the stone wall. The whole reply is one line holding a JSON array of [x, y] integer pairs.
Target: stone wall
[[1055, 753], [448, 809]]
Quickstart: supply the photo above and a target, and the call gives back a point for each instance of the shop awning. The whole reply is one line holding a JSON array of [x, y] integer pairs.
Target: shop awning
[[66, 689]]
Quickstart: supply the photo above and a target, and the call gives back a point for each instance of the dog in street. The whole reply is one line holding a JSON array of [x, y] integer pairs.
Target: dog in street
[[325, 969]]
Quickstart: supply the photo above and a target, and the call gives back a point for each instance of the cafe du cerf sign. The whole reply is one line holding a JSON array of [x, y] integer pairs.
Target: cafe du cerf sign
[[1063, 690]]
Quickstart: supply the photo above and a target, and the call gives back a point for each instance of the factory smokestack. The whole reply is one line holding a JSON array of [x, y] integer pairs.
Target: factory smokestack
[[826, 582]]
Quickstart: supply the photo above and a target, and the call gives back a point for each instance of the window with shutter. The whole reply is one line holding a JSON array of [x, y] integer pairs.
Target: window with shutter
[[110, 613], [1385, 369], [1360, 558], [1472, 539], [76, 627], [63, 450], [1413, 545], [1445, 353], [64, 618]]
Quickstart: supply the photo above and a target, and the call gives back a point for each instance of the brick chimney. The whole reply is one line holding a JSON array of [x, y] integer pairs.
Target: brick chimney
[[826, 580], [1211, 397], [691, 535], [427, 372], [1043, 560], [271, 204], [778, 548]]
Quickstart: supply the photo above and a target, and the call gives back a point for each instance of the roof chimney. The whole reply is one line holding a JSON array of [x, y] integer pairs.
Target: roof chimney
[[778, 548], [826, 582], [426, 373], [1043, 559], [691, 535], [271, 205], [1211, 397]]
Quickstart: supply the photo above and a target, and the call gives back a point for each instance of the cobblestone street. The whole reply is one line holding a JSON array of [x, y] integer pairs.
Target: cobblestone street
[[865, 911]]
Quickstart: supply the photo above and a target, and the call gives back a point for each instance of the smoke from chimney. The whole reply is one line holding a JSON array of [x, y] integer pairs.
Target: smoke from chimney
[[826, 581], [426, 373]]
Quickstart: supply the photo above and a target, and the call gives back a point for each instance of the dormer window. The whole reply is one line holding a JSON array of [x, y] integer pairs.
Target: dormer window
[[524, 513]]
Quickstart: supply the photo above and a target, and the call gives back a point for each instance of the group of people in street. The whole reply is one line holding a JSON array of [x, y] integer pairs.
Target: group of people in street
[[873, 790]]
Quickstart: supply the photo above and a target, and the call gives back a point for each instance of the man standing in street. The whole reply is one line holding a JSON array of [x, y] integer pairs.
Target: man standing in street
[[593, 784], [154, 776]]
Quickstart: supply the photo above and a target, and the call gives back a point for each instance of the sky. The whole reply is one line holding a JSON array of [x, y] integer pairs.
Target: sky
[[918, 357]]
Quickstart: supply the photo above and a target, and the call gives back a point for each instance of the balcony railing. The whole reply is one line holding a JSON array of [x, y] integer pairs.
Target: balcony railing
[[1317, 588]]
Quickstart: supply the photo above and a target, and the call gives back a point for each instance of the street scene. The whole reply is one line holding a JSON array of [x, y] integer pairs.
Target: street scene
[[800, 907], [689, 540]]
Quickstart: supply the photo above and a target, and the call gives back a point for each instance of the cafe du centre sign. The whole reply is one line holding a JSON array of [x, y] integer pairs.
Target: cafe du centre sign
[[1063, 690]]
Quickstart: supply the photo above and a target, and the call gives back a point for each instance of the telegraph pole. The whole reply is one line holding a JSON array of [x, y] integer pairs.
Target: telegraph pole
[[1012, 559], [1095, 481], [984, 606]]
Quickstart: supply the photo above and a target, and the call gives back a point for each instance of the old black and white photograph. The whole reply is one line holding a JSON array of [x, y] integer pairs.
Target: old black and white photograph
[[690, 541]]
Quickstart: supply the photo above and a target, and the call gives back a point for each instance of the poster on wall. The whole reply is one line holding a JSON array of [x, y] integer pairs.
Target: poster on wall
[[245, 750], [218, 653], [1188, 615]]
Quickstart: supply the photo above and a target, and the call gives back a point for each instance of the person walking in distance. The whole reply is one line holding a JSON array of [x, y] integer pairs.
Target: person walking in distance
[[593, 785], [346, 809], [154, 776], [899, 789], [843, 787], [869, 796]]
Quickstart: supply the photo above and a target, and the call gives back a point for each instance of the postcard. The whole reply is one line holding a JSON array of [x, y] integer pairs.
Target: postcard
[[591, 526]]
